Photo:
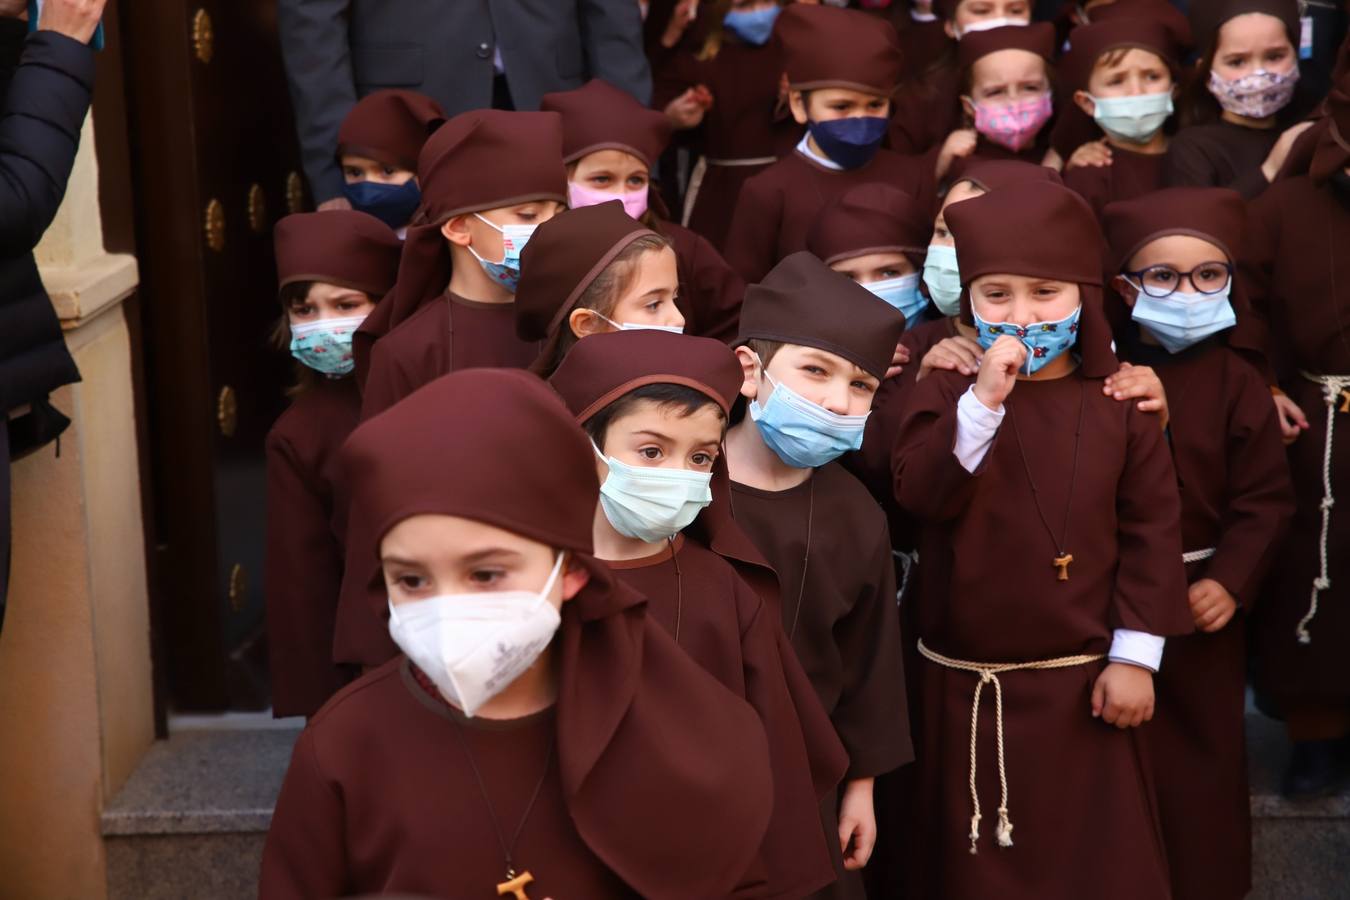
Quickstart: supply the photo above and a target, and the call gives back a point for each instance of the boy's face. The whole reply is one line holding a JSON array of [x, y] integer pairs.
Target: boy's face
[[1004, 77], [329, 301], [362, 168], [827, 104], [611, 171], [962, 190], [1021, 299], [824, 378], [971, 11], [873, 267], [663, 436], [430, 555], [468, 230], [1127, 74], [647, 299], [1162, 260]]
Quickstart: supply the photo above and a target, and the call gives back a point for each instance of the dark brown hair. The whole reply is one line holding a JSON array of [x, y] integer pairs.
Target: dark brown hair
[[680, 397], [290, 295]]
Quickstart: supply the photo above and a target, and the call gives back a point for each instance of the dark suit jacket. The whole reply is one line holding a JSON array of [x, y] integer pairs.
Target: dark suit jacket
[[338, 50]]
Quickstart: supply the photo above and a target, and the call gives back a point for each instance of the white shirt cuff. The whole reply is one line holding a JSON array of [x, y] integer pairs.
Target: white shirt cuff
[[1138, 648], [976, 425]]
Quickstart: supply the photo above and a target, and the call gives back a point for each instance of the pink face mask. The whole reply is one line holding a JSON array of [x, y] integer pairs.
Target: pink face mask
[[634, 203], [1013, 125]]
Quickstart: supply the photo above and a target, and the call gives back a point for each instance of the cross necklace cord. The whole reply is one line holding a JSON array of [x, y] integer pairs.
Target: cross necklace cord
[[515, 882], [1063, 558]]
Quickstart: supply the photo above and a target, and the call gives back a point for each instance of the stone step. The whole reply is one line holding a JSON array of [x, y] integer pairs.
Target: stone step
[[192, 819]]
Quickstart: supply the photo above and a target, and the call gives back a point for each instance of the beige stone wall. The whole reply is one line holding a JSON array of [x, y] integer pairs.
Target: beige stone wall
[[76, 708]]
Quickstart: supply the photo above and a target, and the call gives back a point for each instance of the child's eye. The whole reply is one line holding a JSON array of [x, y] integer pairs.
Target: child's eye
[[650, 452], [486, 576], [890, 273], [813, 370], [702, 459], [302, 310], [637, 181], [410, 582], [941, 232], [600, 179], [861, 386], [353, 172], [389, 171], [1276, 55], [1234, 61]]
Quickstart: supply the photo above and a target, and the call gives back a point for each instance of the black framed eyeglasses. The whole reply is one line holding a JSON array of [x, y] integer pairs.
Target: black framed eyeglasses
[[1206, 278]]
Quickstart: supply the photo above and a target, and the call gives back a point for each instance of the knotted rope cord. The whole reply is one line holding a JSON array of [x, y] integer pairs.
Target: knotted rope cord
[[1332, 386], [989, 673], [1193, 556]]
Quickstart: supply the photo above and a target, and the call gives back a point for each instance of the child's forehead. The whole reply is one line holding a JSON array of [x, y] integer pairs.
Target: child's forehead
[[1017, 280], [1178, 249], [804, 352], [449, 537], [1118, 58], [610, 158], [837, 95], [1010, 63]]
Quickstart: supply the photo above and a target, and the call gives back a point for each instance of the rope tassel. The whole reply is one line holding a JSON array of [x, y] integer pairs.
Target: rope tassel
[[1332, 387]]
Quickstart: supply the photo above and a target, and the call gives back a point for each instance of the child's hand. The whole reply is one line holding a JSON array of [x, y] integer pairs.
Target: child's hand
[[1212, 607], [959, 144], [898, 361], [1280, 152], [1141, 383], [998, 371], [1292, 420], [1093, 153], [857, 824], [686, 111], [680, 17], [1123, 695], [953, 354]]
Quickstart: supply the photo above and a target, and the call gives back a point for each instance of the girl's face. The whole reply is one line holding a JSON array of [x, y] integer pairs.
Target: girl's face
[[827, 104], [962, 190], [648, 299], [1250, 42], [874, 267], [663, 436], [362, 168], [1021, 299], [1207, 264], [824, 378], [1129, 74], [612, 172], [1006, 76], [972, 11], [328, 301]]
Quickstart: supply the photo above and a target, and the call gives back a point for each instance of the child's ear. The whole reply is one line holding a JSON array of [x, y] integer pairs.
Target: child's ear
[[1127, 291], [575, 576], [797, 103], [1085, 102], [968, 105], [456, 230], [949, 27], [585, 322], [750, 385]]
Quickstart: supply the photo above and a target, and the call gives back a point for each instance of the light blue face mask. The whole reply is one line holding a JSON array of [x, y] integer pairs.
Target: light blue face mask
[[514, 239], [805, 435], [652, 504], [1180, 320], [943, 278], [638, 326], [754, 26], [1133, 119], [903, 294], [1044, 340], [326, 345]]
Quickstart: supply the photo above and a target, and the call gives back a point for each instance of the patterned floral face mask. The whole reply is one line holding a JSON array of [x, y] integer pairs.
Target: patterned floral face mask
[[1044, 340], [326, 345], [1258, 95], [1013, 125]]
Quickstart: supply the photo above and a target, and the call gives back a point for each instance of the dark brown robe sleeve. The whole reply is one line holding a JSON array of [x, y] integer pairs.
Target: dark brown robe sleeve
[[872, 715], [304, 856], [754, 228], [302, 578], [1150, 585], [930, 482], [1260, 493], [1256, 262], [1092, 184], [715, 290], [392, 377], [1188, 165]]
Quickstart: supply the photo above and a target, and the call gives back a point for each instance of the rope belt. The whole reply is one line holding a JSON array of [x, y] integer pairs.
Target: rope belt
[[1198, 555], [1332, 387], [736, 163], [700, 171], [989, 673]]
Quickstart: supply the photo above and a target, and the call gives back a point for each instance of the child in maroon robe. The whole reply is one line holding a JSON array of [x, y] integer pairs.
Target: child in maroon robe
[[332, 268], [842, 66], [1295, 269], [1051, 574], [1174, 251], [814, 347], [610, 144], [542, 736], [488, 178], [378, 145], [655, 405]]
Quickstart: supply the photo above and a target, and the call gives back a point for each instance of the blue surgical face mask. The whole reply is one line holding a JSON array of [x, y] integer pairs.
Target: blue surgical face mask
[[326, 345], [1180, 320], [805, 435], [514, 239], [392, 204], [1044, 340], [652, 504], [850, 142], [903, 294], [1133, 119], [943, 278], [754, 26], [638, 326]]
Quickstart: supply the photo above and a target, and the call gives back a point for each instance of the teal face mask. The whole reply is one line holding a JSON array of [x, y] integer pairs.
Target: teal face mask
[[1133, 119], [326, 345], [1044, 340], [943, 279], [652, 504]]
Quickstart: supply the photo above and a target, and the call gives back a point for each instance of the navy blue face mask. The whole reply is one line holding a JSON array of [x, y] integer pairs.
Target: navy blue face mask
[[850, 142], [392, 204]]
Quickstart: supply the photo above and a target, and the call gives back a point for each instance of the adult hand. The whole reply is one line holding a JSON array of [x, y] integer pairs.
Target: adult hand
[[1093, 153], [76, 19], [1280, 152], [335, 203]]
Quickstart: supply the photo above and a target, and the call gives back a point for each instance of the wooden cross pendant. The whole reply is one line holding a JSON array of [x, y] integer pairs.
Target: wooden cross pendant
[[1062, 563], [515, 886], [1345, 400]]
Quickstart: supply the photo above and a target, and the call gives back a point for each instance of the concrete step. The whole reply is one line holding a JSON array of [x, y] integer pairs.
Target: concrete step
[[191, 821]]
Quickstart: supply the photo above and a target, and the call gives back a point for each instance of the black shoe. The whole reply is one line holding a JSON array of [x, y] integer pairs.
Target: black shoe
[[1316, 768]]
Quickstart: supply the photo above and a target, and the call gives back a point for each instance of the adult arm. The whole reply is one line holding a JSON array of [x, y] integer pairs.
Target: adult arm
[[317, 54], [611, 35]]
